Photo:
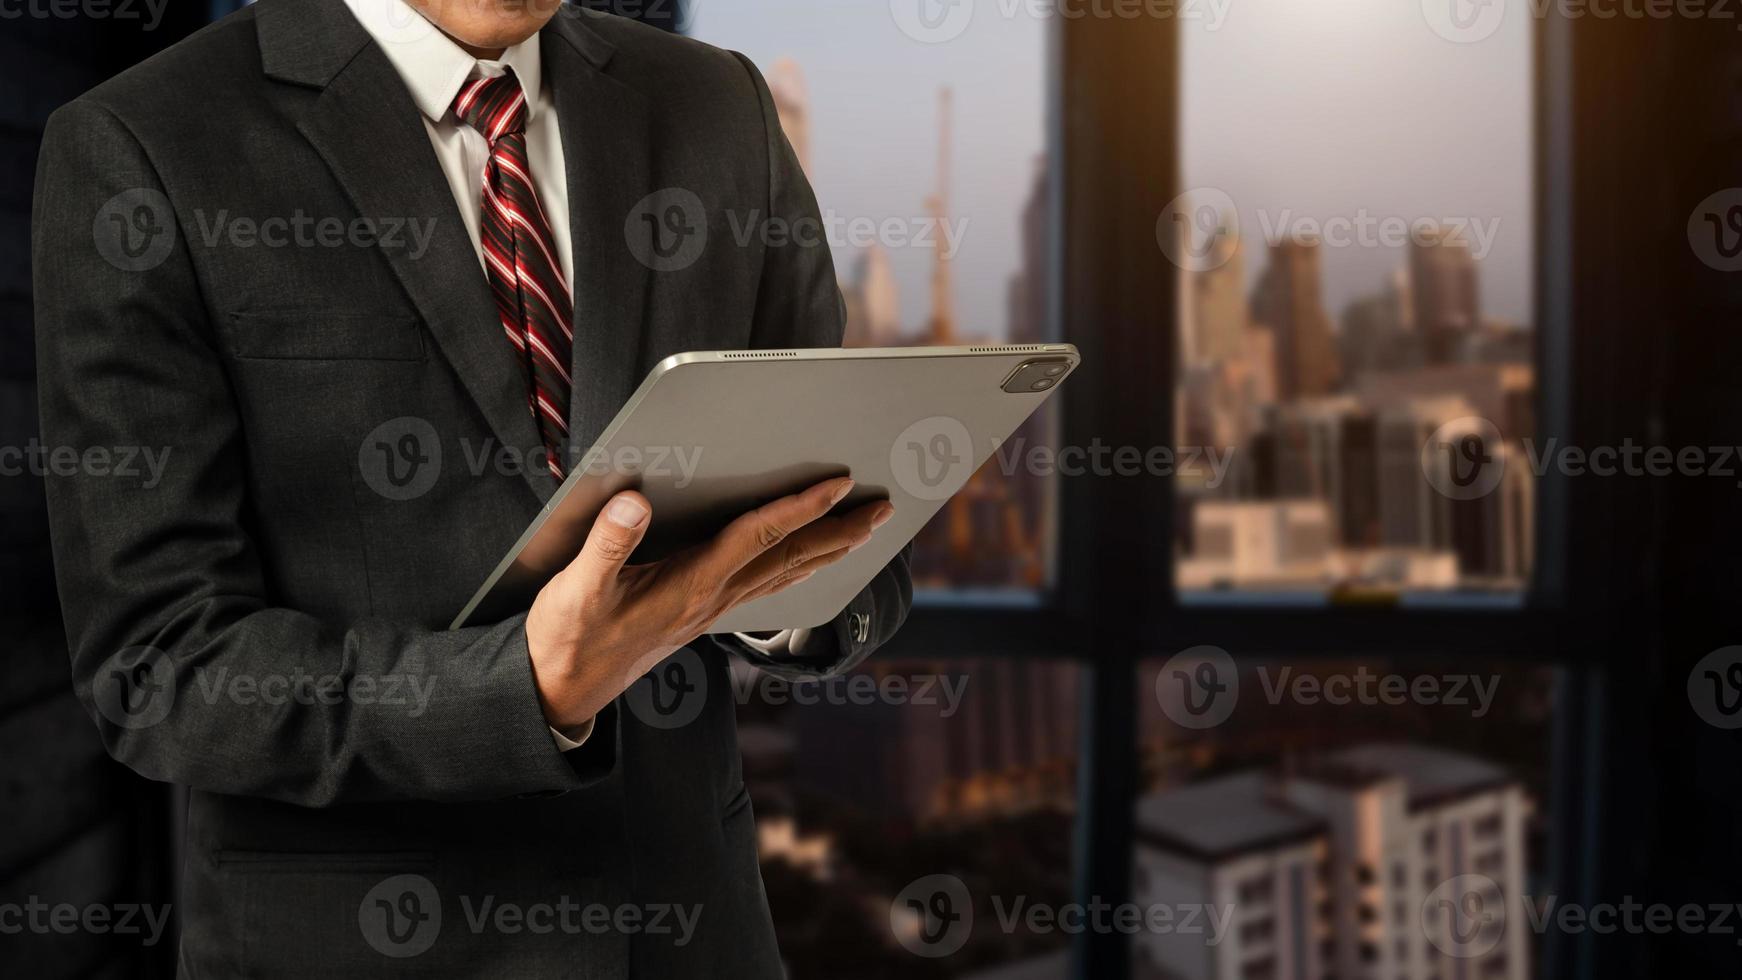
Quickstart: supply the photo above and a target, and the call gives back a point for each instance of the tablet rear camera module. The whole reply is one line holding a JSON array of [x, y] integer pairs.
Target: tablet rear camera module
[[1037, 375]]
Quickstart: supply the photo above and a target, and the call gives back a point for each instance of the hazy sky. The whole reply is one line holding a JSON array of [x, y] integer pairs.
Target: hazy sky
[[874, 118], [1319, 109]]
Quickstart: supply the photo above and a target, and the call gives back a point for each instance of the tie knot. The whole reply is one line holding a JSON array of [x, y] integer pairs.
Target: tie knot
[[494, 107]]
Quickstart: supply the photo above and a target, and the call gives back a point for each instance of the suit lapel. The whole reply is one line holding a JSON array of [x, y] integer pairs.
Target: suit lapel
[[605, 131], [371, 135]]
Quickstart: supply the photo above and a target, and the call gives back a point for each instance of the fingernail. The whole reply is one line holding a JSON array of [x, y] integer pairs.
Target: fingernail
[[883, 516], [801, 578], [626, 512], [841, 491], [855, 546]]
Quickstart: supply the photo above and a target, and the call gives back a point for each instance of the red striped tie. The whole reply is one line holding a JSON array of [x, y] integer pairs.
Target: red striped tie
[[520, 257]]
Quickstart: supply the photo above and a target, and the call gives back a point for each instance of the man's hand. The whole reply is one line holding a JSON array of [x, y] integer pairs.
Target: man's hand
[[600, 624]]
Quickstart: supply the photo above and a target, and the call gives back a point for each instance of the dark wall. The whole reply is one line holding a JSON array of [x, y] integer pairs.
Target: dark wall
[[75, 827]]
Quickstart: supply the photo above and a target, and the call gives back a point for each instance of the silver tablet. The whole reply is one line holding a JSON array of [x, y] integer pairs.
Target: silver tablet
[[710, 435]]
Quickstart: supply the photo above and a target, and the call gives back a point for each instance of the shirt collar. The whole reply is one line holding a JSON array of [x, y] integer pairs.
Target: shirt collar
[[432, 65]]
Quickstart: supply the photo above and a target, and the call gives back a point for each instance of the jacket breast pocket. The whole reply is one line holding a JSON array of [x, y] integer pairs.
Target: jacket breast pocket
[[324, 335]]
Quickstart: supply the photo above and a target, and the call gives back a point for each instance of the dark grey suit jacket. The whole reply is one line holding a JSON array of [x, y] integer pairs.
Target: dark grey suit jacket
[[256, 620]]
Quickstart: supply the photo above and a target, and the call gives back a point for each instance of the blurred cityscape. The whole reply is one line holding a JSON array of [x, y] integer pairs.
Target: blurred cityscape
[[996, 533], [1327, 829], [1331, 482]]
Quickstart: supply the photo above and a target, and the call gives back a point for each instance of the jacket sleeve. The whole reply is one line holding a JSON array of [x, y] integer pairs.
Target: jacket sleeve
[[164, 594], [798, 304]]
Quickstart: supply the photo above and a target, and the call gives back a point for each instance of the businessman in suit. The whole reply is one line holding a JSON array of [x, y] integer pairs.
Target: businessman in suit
[[323, 237]]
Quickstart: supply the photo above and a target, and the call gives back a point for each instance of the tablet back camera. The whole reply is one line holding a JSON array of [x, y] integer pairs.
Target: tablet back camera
[[1039, 374]]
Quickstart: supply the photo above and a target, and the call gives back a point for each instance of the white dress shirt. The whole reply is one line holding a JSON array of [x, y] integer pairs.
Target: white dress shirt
[[434, 69]]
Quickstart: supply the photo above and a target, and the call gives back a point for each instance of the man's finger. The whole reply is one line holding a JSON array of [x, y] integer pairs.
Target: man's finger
[[767, 526], [619, 527], [848, 531], [788, 579]]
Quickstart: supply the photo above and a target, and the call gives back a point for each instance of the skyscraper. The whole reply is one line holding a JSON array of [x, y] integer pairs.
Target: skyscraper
[[1216, 327], [1442, 276], [873, 301], [1289, 302]]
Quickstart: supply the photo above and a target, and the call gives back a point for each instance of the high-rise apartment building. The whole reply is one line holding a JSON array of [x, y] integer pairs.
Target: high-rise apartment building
[[1379, 862]]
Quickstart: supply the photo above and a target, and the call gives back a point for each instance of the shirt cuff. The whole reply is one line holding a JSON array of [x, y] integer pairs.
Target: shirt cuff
[[780, 644], [567, 744]]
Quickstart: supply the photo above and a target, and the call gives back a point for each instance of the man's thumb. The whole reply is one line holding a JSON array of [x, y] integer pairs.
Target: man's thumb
[[619, 527]]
